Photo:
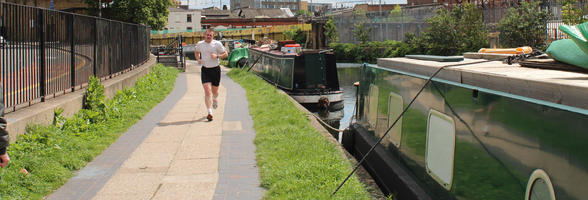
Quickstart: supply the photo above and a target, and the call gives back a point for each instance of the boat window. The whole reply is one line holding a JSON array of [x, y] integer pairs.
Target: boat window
[[372, 107], [539, 186], [395, 107], [440, 147]]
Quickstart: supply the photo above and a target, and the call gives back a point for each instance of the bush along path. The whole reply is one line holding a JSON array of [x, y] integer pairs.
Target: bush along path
[[45, 157], [295, 160]]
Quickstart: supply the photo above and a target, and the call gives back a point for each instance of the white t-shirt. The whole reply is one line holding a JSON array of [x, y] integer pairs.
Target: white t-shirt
[[206, 49]]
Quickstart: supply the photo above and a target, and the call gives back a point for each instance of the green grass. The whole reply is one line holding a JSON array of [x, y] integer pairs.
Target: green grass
[[51, 154], [295, 160]]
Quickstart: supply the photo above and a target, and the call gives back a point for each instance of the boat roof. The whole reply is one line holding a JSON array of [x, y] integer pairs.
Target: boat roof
[[273, 52], [280, 53], [560, 87]]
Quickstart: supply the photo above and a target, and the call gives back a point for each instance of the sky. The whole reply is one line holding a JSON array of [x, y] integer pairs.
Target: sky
[[198, 4]]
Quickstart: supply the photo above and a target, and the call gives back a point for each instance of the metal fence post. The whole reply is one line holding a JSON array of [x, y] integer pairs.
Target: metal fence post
[[402, 24], [73, 52], [95, 46], [41, 36]]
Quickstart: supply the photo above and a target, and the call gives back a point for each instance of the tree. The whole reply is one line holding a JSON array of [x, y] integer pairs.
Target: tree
[[152, 13], [442, 38], [471, 28], [362, 32], [303, 13], [454, 31], [395, 14], [295, 34], [331, 32], [524, 26], [571, 14]]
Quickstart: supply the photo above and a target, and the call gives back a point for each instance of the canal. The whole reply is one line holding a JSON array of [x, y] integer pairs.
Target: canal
[[348, 74]]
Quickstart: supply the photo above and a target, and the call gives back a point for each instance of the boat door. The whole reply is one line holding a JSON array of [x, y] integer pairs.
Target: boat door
[[315, 67]]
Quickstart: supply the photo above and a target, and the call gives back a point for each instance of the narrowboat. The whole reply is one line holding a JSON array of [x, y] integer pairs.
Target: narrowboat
[[308, 76], [479, 131]]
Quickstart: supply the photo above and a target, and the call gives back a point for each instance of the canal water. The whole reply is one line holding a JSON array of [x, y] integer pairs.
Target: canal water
[[348, 74]]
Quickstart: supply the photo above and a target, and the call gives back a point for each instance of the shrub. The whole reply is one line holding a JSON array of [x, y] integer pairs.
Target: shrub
[[94, 96], [453, 31], [524, 26], [572, 14], [331, 32]]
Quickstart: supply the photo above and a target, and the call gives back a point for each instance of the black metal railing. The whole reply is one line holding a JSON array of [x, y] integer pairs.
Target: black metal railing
[[46, 52], [174, 48]]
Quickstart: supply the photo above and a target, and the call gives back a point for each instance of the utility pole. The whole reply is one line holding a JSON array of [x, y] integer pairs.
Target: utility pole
[[380, 7], [99, 8], [380, 22]]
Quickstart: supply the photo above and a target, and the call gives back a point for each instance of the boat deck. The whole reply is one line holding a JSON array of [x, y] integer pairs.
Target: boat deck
[[560, 87]]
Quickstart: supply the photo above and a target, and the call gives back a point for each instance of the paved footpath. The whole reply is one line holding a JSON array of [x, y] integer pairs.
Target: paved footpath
[[175, 153]]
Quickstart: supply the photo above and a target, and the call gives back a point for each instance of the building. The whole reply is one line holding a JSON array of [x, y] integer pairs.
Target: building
[[293, 5], [75, 6], [303, 5], [248, 17], [374, 7], [319, 7], [240, 4], [182, 19]]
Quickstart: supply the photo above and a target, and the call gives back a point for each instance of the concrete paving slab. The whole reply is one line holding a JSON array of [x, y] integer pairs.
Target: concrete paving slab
[[191, 178], [194, 166], [187, 191], [175, 117], [232, 126], [152, 155], [139, 184], [168, 134], [200, 147], [137, 196]]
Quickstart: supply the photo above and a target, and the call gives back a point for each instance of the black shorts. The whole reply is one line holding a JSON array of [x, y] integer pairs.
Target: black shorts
[[211, 75]]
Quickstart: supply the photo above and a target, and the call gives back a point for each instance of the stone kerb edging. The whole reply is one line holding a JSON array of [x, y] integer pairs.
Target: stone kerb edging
[[71, 103]]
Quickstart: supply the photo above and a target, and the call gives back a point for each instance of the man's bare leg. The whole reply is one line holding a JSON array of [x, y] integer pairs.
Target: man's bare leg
[[214, 96], [207, 99]]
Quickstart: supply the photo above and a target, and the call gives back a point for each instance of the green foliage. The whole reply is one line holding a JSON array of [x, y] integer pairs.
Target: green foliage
[[395, 14], [471, 27], [362, 32], [369, 52], [295, 161], [303, 13], [454, 31], [572, 14], [290, 34], [58, 118], [331, 32], [524, 26], [52, 153], [94, 96], [296, 35], [152, 13], [300, 37], [359, 16]]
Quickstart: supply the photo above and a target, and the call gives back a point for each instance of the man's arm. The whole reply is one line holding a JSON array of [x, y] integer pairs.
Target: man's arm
[[197, 55], [223, 55]]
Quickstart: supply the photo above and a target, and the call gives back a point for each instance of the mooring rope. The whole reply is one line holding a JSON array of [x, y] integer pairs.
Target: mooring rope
[[325, 123]]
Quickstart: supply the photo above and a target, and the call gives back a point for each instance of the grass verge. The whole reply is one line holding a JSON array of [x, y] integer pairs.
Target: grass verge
[[51, 154], [295, 160]]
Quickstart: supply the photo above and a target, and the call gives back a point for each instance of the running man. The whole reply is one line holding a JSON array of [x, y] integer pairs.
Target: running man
[[207, 53]]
